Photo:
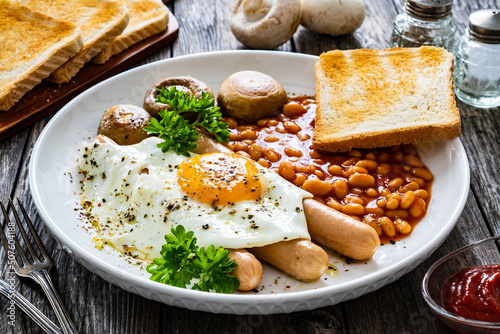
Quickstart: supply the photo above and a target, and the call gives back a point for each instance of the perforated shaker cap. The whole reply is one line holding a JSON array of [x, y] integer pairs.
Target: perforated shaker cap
[[429, 9], [484, 25]]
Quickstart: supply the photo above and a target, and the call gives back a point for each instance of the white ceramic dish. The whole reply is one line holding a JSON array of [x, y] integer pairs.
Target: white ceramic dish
[[54, 193]]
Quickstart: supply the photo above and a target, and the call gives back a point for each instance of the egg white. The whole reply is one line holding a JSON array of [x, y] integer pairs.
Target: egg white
[[132, 197]]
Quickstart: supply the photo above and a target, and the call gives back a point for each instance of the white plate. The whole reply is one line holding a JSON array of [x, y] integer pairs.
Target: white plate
[[54, 194]]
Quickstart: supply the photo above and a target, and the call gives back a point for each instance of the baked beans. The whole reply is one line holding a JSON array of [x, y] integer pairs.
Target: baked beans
[[388, 188], [255, 152], [293, 152], [299, 179], [294, 109], [286, 170]]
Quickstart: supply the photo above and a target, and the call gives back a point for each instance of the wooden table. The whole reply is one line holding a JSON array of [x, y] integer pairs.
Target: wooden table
[[99, 307]]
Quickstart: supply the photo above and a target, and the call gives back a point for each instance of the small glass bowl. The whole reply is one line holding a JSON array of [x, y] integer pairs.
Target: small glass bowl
[[483, 252]]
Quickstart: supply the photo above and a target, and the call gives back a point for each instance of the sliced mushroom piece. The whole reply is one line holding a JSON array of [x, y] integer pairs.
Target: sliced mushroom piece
[[250, 95], [265, 24], [186, 84], [124, 124]]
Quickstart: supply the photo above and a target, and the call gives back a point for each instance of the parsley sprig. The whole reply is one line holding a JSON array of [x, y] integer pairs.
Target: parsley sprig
[[177, 132], [182, 261]]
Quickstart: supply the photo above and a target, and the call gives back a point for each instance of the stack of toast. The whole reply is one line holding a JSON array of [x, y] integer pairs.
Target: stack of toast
[[53, 39]]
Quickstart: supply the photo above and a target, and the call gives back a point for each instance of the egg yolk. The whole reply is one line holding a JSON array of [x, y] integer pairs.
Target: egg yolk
[[219, 179]]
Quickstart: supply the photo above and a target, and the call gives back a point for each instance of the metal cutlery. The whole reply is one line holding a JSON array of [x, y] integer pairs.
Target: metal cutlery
[[38, 317], [37, 268]]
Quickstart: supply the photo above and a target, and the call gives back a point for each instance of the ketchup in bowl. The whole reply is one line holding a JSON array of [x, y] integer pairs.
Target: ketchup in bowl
[[474, 293]]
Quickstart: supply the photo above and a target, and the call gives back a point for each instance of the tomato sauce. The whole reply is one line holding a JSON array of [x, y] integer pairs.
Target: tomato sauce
[[284, 144], [474, 293]]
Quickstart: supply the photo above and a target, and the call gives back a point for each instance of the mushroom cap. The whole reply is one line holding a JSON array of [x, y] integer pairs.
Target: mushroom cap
[[265, 24], [333, 17], [249, 96], [186, 84], [124, 124]]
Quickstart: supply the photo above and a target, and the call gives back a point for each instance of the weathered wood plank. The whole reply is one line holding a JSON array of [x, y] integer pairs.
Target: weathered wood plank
[[374, 33], [11, 157], [480, 130], [11, 151], [206, 27]]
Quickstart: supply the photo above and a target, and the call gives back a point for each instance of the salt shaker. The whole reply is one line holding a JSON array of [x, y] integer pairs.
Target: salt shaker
[[476, 72], [425, 22]]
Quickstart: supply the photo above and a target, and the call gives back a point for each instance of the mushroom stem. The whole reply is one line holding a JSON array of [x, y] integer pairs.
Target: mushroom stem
[[254, 6]]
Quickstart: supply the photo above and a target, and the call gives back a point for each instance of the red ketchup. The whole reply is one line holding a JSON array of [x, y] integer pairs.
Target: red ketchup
[[474, 293]]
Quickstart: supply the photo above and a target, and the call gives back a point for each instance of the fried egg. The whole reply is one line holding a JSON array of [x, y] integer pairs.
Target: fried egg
[[135, 194]]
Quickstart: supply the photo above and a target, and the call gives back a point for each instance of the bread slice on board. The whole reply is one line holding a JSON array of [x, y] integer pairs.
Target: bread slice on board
[[147, 18], [32, 46], [100, 21], [378, 98]]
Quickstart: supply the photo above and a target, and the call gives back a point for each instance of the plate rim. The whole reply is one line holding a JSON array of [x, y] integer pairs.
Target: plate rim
[[322, 293]]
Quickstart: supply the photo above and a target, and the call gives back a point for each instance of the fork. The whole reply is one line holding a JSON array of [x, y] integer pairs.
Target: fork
[[37, 270], [38, 317]]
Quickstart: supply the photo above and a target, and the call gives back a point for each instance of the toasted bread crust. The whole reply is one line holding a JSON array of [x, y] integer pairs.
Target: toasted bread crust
[[147, 18], [379, 98], [24, 64], [100, 21]]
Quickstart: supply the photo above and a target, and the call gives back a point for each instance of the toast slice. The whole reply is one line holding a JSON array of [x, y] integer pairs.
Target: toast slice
[[378, 98], [32, 46], [147, 18], [100, 21]]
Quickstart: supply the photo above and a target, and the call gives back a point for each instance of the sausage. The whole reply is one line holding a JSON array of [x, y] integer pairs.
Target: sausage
[[300, 258], [327, 226], [340, 232], [102, 139], [249, 270], [205, 144]]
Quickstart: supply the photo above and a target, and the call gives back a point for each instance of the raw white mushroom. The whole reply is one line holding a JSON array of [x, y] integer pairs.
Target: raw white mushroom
[[265, 24], [333, 17]]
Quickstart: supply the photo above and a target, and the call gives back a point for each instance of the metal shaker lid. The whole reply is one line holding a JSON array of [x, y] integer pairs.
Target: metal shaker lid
[[484, 25], [429, 9]]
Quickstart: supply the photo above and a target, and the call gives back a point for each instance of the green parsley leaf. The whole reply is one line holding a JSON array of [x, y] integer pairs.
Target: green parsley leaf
[[182, 261], [173, 266], [215, 266], [177, 132]]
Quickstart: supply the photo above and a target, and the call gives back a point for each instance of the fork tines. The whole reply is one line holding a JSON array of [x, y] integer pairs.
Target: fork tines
[[35, 258]]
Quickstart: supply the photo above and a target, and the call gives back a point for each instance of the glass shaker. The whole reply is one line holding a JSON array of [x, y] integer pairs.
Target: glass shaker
[[476, 72], [425, 22]]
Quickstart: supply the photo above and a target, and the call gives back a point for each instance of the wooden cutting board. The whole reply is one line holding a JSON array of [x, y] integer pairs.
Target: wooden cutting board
[[47, 97]]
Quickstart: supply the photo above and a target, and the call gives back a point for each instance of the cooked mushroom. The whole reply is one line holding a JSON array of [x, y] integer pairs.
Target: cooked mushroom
[[249, 95], [186, 84], [333, 17], [265, 24], [124, 124]]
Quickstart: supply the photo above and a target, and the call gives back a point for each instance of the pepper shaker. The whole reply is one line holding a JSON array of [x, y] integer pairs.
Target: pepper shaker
[[425, 22], [476, 72]]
